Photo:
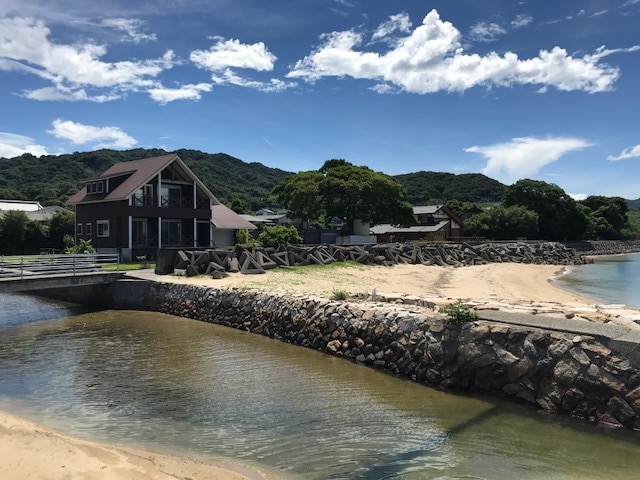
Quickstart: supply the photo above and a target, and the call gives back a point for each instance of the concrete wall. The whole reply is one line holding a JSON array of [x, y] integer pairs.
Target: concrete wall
[[585, 371]]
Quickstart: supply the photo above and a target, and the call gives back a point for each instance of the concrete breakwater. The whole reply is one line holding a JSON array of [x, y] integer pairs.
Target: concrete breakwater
[[217, 261], [577, 374]]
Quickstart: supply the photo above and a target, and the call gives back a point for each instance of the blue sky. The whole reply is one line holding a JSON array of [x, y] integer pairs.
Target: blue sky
[[532, 89]]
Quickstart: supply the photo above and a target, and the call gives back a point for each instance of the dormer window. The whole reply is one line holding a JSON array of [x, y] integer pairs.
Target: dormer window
[[96, 187]]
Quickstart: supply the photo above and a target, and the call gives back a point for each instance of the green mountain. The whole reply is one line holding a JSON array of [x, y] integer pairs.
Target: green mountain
[[52, 179], [428, 188], [634, 203]]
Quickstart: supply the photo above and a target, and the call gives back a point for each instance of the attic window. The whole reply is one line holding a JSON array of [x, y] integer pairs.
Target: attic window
[[96, 187]]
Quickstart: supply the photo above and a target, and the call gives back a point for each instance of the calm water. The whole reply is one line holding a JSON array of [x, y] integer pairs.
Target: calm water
[[611, 279], [182, 386]]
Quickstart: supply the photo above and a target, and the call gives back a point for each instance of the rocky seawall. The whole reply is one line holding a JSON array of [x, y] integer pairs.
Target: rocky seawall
[[562, 372], [605, 247]]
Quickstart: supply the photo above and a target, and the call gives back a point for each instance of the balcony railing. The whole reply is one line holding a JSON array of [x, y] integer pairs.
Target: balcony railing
[[168, 202], [177, 240]]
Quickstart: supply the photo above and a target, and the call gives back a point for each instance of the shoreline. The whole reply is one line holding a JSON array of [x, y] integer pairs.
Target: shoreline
[[30, 450], [512, 287]]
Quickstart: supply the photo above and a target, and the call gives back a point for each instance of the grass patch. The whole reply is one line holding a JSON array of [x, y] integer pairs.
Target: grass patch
[[339, 295], [112, 267], [304, 269]]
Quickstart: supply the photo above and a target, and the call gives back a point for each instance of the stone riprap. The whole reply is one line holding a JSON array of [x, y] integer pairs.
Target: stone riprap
[[563, 372], [216, 261], [605, 247]]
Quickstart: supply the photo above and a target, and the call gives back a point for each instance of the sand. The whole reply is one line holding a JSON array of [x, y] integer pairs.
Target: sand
[[28, 451]]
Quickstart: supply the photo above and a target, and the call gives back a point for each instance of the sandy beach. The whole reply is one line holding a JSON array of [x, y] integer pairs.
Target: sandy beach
[[29, 451]]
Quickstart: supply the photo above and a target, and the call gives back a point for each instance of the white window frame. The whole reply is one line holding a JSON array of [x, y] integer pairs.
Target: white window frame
[[79, 229], [102, 228], [88, 229]]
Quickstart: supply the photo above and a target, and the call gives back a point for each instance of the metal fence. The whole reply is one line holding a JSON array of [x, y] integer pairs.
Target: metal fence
[[41, 265]]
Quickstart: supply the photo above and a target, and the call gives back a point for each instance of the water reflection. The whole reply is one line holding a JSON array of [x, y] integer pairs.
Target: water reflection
[[178, 385]]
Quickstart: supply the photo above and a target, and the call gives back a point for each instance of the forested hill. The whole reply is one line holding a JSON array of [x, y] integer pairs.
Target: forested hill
[[426, 188], [52, 179]]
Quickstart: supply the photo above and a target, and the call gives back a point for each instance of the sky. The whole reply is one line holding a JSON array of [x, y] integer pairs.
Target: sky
[[539, 89]]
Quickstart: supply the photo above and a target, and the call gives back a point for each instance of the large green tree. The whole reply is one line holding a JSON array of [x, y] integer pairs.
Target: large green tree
[[504, 223], [559, 217], [346, 191], [609, 216], [13, 232]]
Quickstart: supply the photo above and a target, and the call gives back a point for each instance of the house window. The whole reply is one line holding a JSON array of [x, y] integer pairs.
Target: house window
[[100, 187], [103, 228], [79, 229], [90, 187], [87, 229], [171, 233]]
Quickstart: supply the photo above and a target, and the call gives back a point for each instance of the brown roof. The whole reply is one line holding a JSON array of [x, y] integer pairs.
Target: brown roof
[[139, 172], [224, 217]]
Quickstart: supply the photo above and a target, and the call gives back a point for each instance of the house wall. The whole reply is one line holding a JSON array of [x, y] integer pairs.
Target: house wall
[[223, 237]]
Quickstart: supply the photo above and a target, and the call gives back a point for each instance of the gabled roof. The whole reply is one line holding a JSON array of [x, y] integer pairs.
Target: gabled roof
[[225, 218], [138, 172]]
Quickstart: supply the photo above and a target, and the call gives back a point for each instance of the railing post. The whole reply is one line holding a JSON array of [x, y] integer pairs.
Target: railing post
[[21, 268], [74, 264], [117, 262]]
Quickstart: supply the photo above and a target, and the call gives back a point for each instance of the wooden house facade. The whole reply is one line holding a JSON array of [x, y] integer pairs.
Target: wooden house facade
[[135, 208]]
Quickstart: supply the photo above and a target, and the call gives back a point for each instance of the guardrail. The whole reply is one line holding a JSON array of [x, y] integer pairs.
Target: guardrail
[[40, 265]]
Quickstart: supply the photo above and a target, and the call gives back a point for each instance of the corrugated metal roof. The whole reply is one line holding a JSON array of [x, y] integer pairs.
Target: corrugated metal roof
[[426, 209], [386, 228]]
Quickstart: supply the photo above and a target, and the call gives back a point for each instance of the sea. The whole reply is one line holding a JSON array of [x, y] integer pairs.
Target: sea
[[611, 279]]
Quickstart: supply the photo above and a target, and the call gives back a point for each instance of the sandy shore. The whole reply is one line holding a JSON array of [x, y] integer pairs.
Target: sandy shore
[[29, 451], [502, 286]]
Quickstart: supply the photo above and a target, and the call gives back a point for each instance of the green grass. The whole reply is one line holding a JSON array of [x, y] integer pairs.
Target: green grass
[[305, 269], [127, 266]]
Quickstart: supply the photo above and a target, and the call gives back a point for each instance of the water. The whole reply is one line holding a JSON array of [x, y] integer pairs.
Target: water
[[180, 386], [611, 279]]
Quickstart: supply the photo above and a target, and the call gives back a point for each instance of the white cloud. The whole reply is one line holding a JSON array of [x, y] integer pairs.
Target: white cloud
[[231, 53], [578, 196], [25, 45], [132, 29], [228, 77], [79, 134], [396, 23], [431, 59], [67, 94], [520, 21], [486, 32], [631, 152], [13, 145], [524, 157], [164, 95]]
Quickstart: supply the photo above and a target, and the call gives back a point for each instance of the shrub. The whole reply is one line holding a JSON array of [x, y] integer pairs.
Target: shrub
[[279, 235], [459, 312], [84, 246]]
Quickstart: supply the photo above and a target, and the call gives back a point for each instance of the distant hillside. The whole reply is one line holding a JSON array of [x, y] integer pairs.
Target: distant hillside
[[424, 188], [52, 179], [634, 203]]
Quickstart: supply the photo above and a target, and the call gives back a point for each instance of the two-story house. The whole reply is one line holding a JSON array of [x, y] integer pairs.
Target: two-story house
[[135, 208]]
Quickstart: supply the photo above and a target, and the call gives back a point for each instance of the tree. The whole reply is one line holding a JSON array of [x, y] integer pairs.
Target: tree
[[13, 228], [62, 223], [609, 215], [559, 217], [346, 191], [504, 223]]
